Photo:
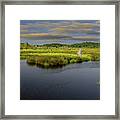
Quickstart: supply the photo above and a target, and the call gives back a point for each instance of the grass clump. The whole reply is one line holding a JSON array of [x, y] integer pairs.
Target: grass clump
[[52, 62], [55, 55]]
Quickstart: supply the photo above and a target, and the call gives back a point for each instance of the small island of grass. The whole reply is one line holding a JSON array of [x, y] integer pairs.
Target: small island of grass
[[58, 55]]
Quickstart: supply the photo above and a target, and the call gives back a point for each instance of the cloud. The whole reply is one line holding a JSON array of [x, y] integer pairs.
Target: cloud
[[74, 29], [44, 36], [57, 36]]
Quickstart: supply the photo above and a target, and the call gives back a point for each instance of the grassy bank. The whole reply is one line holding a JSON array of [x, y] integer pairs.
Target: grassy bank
[[58, 55]]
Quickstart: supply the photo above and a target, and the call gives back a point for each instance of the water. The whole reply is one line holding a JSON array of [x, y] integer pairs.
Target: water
[[72, 82], [59, 41]]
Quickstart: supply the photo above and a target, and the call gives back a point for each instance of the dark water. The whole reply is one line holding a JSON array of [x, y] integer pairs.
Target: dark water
[[72, 82], [59, 41]]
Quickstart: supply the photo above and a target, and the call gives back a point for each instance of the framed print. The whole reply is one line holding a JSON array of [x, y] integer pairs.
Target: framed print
[[60, 59]]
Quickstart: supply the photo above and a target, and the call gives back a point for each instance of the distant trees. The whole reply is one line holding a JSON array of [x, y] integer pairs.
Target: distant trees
[[26, 46], [78, 45], [86, 44]]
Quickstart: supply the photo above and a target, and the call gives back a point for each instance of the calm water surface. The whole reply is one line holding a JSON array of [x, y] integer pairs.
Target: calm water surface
[[72, 82]]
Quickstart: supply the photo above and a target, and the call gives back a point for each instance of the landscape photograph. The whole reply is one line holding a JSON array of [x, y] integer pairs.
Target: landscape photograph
[[59, 60]]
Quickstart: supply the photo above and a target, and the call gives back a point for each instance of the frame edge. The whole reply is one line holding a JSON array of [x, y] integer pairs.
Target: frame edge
[[2, 62]]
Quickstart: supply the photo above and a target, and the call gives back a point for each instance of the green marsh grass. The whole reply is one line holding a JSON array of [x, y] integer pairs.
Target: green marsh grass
[[51, 56]]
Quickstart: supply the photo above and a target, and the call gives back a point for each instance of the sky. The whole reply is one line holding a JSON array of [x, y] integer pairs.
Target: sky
[[60, 29]]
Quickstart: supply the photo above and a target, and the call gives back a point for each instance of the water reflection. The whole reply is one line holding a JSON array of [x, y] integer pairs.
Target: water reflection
[[72, 82], [83, 65]]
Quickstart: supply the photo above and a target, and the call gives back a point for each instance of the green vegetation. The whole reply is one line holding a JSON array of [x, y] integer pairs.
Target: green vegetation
[[58, 55], [78, 45]]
